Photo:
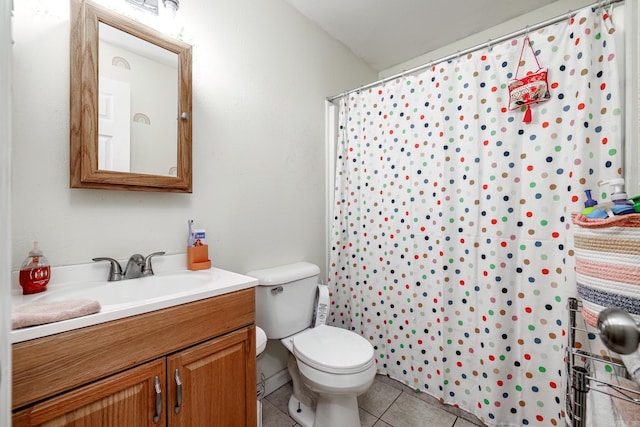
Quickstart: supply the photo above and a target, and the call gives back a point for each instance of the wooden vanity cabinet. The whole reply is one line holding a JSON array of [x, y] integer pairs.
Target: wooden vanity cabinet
[[203, 381]]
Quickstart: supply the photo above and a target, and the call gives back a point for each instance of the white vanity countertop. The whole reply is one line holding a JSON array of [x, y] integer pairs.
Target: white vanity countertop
[[84, 277]]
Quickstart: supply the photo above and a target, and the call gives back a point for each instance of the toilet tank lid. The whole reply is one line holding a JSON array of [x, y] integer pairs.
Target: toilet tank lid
[[284, 273]]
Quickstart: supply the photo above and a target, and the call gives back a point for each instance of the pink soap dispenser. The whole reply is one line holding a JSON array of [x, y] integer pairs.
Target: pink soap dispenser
[[34, 272]]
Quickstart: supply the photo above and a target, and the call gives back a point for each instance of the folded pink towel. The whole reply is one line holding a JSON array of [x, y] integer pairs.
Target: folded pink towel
[[39, 313]]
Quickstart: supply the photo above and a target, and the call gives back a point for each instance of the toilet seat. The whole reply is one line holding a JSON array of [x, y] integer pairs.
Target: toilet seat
[[333, 350]]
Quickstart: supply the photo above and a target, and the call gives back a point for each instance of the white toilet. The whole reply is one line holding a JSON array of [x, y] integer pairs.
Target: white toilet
[[329, 366]]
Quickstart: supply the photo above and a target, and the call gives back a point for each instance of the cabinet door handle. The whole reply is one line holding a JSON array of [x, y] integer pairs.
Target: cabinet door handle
[[176, 375], [156, 384]]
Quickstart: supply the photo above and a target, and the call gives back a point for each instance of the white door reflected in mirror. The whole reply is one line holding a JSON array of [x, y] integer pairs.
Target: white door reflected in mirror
[[114, 125]]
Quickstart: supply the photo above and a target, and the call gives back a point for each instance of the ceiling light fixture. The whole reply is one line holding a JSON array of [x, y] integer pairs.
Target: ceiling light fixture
[[172, 6]]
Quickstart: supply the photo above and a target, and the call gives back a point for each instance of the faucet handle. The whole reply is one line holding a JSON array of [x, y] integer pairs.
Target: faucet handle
[[115, 270], [147, 270]]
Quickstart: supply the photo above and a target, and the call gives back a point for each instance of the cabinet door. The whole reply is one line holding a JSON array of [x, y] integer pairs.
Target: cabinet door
[[125, 399], [218, 383]]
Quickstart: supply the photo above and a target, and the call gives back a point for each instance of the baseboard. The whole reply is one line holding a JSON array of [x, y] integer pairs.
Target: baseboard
[[276, 381]]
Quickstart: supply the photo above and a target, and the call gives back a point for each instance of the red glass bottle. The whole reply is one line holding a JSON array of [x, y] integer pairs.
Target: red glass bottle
[[34, 272]]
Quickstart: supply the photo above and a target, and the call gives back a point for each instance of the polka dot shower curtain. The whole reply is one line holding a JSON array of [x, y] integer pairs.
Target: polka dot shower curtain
[[451, 245]]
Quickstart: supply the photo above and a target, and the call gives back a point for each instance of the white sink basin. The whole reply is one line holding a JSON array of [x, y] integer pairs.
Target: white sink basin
[[172, 285], [132, 291]]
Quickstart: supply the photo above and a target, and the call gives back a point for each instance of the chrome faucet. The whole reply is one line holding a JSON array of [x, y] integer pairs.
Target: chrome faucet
[[137, 266]]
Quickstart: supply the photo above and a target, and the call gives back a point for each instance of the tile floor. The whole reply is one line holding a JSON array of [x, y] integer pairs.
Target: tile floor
[[387, 403]]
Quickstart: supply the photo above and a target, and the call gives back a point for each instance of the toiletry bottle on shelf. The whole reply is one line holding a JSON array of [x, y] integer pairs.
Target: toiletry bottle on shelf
[[621, 203], [593, 210], [589, 203], [34, 272]]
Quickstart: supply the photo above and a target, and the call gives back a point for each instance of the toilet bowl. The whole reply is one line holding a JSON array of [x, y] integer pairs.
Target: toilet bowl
[[329, 366], [336, 366]]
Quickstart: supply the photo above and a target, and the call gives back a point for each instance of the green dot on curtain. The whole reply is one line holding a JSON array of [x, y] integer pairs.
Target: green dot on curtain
[[502, 357], [539, 403], [504, 219], [518, 388], [390, 322], [598, 36], [523, 247], [460, 323], [542, 369], [544, 222], [530, 327], [492, 266], [450, 100], [616, 111], [536, 292], [491, 312], [401, 345], [413, 331], [492, 178], [449, 341], [357, 314], [613, 152], [532, 185], [554, 49], [608, 368], [558, 148], [486, 401]]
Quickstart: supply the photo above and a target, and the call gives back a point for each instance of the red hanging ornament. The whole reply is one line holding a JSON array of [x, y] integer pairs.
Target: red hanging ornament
[[531, 89]]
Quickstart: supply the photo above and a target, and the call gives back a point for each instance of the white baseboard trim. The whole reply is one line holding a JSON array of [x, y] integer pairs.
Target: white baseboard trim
[[276, 381]]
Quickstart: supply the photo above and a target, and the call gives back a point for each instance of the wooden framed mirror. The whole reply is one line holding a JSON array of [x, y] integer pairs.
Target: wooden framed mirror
[[130, 104]]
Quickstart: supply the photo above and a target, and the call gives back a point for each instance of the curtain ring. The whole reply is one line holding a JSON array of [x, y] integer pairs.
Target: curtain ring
[[569, 16], [489, 45]]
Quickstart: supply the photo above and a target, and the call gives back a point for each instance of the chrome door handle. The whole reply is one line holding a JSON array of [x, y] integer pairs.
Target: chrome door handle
[[176, 376], [156, 384]]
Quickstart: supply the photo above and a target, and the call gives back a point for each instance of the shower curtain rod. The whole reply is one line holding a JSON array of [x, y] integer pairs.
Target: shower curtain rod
[[551, 21]]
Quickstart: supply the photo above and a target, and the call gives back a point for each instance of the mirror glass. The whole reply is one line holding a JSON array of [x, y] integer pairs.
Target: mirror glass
[[137, 105], [130, 104]]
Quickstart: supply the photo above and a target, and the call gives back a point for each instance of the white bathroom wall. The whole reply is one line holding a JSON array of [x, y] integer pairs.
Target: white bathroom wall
[[261, 73], [557, 8]]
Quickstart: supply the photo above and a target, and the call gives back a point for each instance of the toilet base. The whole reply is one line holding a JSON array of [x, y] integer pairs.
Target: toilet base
[[334, 411], [301, 413]]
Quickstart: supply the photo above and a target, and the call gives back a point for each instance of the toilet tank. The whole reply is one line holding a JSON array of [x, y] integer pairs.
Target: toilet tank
[[285, 298]]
